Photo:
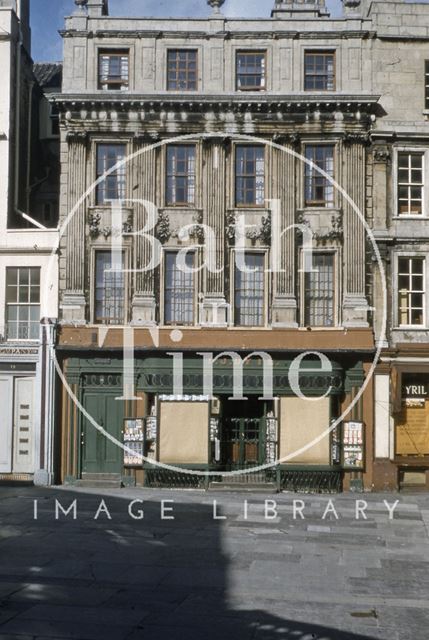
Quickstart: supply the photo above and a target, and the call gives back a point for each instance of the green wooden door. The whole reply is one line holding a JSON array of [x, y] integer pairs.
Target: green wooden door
[[99, 454]]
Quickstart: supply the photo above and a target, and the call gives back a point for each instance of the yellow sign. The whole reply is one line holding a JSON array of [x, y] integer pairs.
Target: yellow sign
[[412, 429]]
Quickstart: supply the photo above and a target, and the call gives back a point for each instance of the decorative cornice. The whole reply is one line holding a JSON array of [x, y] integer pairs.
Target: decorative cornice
[[230, 102]]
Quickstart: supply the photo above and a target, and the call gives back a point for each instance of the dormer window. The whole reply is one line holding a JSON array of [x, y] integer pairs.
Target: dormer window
[[113, 70]]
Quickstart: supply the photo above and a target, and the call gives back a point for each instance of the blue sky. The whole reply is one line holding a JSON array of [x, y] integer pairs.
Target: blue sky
[[48, 16]]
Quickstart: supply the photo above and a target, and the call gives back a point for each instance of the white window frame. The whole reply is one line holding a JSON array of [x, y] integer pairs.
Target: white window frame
[[396, 320], [425, 154], [21, 304]]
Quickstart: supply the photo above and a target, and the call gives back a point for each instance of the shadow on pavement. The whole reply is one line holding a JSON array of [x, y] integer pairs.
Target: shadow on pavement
[[139, 578]]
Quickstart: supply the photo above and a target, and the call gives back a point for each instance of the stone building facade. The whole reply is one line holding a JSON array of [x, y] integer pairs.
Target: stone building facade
[[172, 132], [400, 210], [28, 272]]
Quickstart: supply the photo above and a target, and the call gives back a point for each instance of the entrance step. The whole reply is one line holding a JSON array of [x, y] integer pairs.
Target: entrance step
[[249, 487], [100, 480]]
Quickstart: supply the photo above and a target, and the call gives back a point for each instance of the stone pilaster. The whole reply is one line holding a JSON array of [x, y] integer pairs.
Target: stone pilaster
[[143, 169], [74, 301], [355, 304], [284, 308], [213, 310]]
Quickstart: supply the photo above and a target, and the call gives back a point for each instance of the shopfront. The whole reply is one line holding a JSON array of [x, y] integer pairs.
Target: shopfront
[[192, 430]]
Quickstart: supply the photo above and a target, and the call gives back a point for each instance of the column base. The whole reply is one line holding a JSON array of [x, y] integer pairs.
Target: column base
[[214, 311], [355, 311], [143, 311], [73, 307], [284, 312]]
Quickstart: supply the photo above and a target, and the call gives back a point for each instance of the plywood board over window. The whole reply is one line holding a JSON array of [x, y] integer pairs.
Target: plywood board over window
[[301, 422], [412, 428], [184, 432]]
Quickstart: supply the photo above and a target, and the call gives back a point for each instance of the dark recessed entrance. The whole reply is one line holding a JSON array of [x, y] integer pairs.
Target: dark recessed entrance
[[243, 432]]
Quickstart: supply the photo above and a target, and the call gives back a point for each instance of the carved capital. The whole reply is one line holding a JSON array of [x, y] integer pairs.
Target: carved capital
[[356, 138], [292, 139], [77, 137]]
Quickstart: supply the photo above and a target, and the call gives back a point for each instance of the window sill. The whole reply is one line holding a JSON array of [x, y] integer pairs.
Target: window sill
[[417, 216], [411, 327]]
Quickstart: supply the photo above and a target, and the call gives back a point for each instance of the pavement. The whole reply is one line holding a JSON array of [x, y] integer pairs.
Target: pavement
[[117, 570]]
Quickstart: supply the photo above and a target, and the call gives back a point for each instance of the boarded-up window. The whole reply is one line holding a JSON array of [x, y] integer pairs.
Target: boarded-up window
[[301, 422], [184, 432]]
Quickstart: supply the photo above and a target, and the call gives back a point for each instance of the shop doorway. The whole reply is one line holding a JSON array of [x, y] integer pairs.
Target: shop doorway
[[98, 453], [243, 432]]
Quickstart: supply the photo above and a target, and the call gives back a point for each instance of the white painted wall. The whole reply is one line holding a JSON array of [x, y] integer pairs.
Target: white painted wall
[[31, 249], [382, 416]]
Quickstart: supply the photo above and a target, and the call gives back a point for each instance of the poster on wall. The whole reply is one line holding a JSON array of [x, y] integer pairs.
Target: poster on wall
[[353, 446], [133, 441]]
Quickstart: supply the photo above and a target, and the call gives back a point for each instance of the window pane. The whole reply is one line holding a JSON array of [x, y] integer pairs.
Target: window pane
[[179, 290], [250, 71], [113, 70], [181, 169], [319, 71], [319, 191], [109, 289], [250, 175], [113, 185], [411, 294], [410, 183], [181, 69], [249, 291], [319, 292]]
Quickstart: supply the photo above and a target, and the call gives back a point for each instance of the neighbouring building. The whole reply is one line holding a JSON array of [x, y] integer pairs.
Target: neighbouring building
[[28, 271], [210, 119], [400, 71]]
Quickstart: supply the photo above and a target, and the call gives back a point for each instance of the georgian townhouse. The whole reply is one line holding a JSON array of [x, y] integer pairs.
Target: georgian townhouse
[[28, 270], [400, 63], [174, 132]]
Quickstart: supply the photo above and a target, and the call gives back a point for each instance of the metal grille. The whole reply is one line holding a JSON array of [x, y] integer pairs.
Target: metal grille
[[250, 176], [158, 478], [319, 71], [318, 189], [23, 303], [411, 291], [182, 69], [113, 186], [113, 71], [250, 69], [410, 183], [179, 290], [109, 290], [180, 174], [309, 481], [249, 291], [320, 292]]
